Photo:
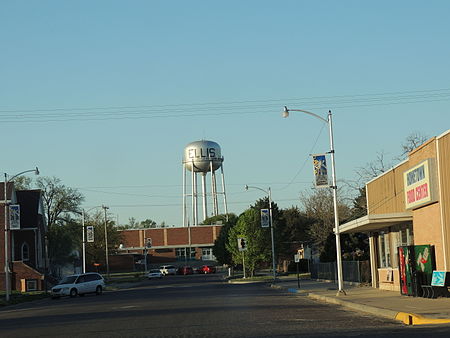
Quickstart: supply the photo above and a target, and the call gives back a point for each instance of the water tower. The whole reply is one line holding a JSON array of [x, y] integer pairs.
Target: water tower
[[202, 157]]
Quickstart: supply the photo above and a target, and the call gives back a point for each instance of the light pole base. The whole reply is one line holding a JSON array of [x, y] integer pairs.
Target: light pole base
[[341, 293]]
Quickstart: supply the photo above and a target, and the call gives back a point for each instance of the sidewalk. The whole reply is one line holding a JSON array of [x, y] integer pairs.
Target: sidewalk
[[388, 304]]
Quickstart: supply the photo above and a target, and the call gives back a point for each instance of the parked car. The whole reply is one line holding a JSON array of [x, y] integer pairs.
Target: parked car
[[206, 269], [185, 270], [154, 273], [168, 270], [80, 284]]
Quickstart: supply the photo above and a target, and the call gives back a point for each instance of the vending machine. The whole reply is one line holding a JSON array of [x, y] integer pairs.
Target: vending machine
[[416, 265]]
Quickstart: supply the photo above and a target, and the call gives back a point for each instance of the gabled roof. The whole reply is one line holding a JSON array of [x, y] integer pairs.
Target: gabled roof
[[29, 201]]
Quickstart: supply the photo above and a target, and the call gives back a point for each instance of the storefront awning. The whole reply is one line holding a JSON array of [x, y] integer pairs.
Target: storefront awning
[[375, 222]]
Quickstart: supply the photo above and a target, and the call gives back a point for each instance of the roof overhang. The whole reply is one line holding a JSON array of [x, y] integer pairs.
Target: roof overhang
[[375, 222]]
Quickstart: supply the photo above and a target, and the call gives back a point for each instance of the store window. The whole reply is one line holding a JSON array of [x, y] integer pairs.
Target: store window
[[384, 249], [405, 235]]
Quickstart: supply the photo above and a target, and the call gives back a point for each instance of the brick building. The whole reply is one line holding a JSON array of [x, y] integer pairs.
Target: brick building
[[167, 245], [408, 205], [26, 240]]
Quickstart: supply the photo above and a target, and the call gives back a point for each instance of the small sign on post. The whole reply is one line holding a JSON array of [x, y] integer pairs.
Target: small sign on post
[[148, 243], [265, 218], [90, 234]]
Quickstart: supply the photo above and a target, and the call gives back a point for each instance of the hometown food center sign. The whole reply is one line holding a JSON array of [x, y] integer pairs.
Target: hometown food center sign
[[419, 185]]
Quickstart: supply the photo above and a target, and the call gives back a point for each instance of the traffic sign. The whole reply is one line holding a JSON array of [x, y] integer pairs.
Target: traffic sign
[[242, 244]]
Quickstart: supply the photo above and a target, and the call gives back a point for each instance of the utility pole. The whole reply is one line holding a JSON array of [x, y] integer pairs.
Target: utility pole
[[106, 240]]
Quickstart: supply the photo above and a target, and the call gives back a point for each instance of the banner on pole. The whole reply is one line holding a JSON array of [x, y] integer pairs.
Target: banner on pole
[[14, 217], [265, 218], [90, 234], [320, 171]]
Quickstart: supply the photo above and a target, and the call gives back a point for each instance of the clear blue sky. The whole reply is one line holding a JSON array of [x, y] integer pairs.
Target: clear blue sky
[[105, 95]]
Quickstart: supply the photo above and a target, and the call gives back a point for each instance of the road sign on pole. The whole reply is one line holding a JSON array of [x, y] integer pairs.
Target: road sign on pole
[[242, 244]]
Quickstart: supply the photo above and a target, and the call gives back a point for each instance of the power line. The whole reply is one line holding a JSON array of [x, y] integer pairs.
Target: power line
[[214, 109]]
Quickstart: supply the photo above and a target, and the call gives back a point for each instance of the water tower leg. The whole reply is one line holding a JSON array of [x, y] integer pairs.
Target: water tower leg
[[196, 199], [223, 191], [184, 195], [205, 211], [216, 206]]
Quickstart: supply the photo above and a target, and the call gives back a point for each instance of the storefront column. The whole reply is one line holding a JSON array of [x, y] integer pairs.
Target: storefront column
[[373, 260]]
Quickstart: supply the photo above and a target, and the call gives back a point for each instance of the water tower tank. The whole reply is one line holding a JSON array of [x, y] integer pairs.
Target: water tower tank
[[199, 155]]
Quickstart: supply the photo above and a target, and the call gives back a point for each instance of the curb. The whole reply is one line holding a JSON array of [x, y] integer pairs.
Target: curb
[[405, 317], [380, 312]]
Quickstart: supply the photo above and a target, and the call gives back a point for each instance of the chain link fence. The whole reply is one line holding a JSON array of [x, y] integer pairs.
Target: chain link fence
[[353, 271]]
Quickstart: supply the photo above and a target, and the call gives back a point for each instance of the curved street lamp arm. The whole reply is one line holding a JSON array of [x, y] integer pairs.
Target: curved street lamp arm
[[286, 113], [250, 186], [36, 171]]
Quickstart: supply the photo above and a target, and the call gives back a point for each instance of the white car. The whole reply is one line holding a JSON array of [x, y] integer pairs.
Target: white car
[[80, 284], [154, 273], [168, 270]]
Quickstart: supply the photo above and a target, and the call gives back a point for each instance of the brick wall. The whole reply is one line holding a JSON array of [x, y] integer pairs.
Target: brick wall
[[175, 236], [25, 272]]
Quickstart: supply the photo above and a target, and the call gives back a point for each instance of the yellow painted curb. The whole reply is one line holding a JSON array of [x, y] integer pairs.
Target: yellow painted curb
[[413, 319]]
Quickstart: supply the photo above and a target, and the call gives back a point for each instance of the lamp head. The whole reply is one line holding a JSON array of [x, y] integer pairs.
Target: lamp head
[[246, 187], [36, 171], [285, 112]]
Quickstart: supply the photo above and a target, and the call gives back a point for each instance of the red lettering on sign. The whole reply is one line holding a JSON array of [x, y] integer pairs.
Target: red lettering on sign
[[411, 196], [422, 191]]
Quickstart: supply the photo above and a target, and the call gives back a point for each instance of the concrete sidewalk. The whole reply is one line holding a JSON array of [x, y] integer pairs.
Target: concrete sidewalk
[[388, 304]]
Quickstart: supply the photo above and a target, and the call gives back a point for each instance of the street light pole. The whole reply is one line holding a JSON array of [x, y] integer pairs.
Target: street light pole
[[269, 193], [84, 239], [106, 241], [6, 205], [329, 121]]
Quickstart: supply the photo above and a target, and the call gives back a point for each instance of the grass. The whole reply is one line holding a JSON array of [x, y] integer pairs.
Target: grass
[[19, 297], [268, 278]]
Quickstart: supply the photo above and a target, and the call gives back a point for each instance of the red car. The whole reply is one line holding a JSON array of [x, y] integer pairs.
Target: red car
[[206, 269], [185, 270]]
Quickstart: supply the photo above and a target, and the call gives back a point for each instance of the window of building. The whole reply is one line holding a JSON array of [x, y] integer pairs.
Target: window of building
[[180, 252], [207, 254], [405, 235], [183, 252], [384, 249], [25, 252], [31, 284]]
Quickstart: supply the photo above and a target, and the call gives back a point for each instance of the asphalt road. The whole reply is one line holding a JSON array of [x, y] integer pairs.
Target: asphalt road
[[196, 306]]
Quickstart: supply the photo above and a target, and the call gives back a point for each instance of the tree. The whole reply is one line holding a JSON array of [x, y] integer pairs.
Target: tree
[[148, 223], [132, 223], [61, 205], [258, 251], [293, 231], [62, 241], [412, 141], [319, 207], [60, 202], [95, 252], [220, 251], [22, 182]]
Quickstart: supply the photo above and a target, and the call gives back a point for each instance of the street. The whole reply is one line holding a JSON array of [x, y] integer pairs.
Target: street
[[196, 305]]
